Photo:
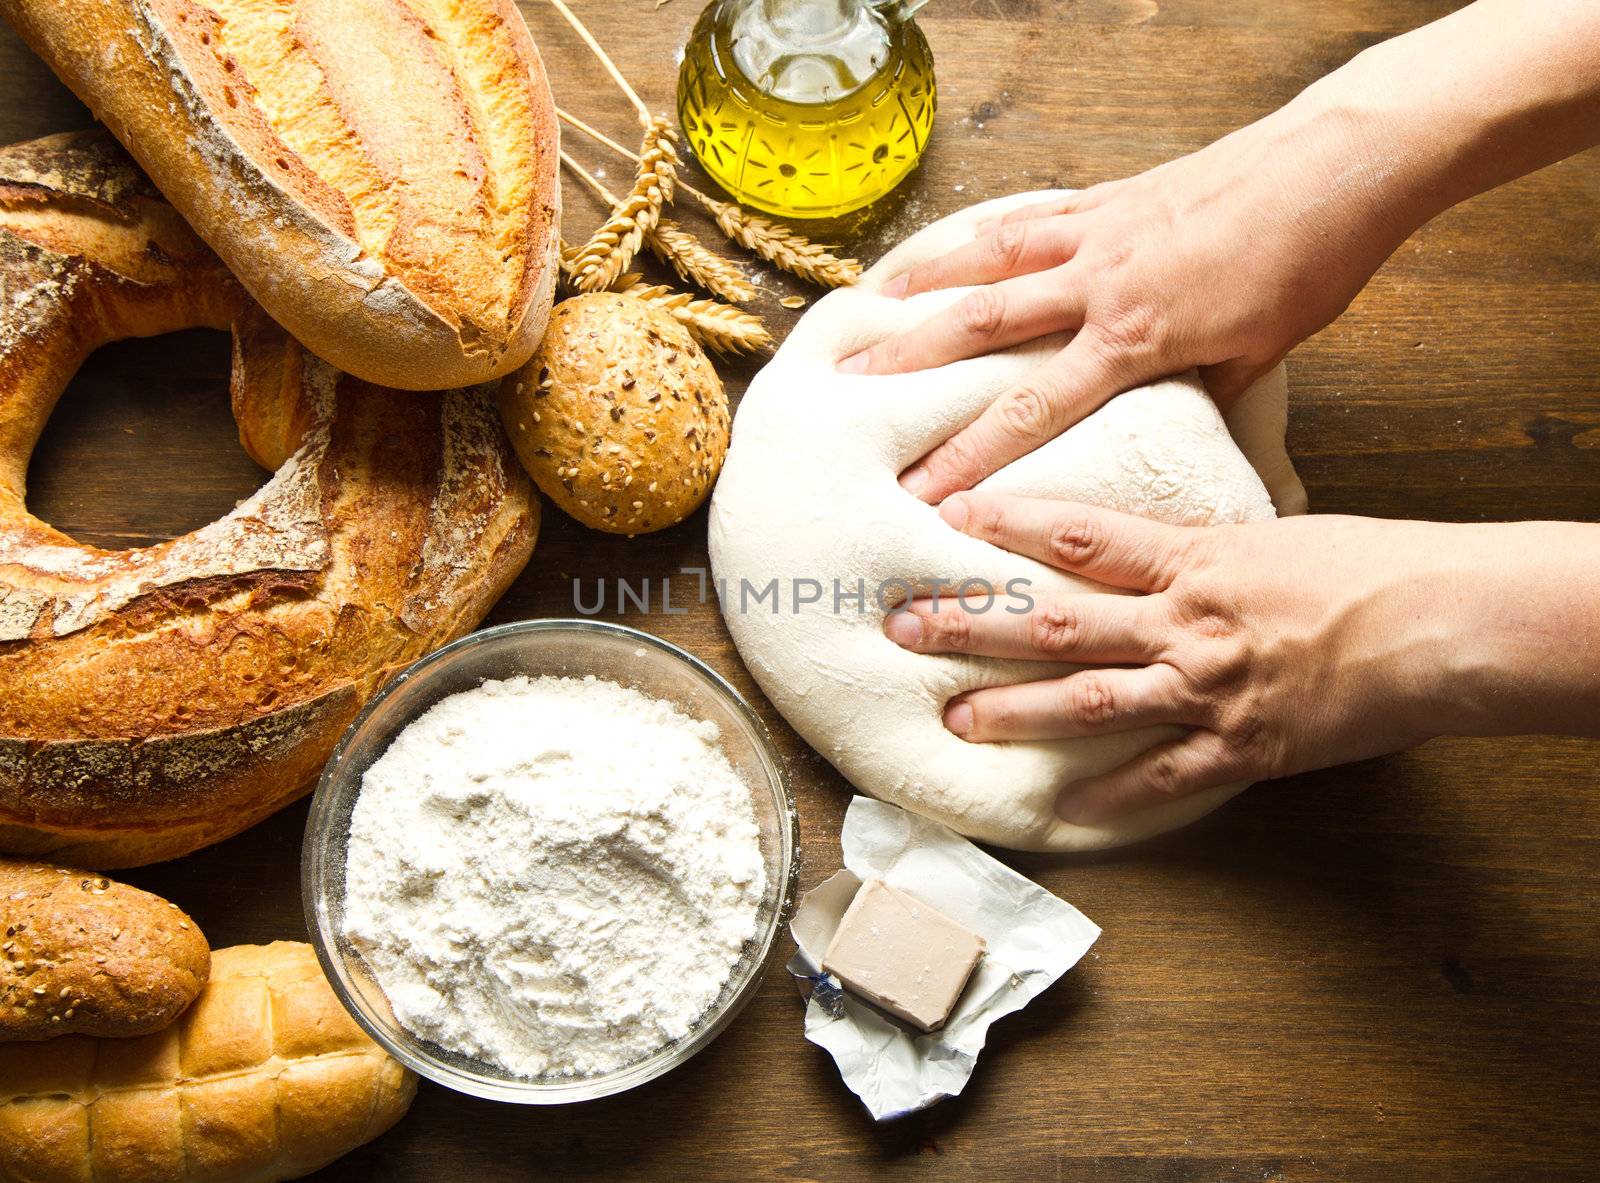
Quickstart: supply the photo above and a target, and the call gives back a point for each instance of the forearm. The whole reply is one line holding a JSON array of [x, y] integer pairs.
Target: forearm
[[1492, 92], [1513, 612]]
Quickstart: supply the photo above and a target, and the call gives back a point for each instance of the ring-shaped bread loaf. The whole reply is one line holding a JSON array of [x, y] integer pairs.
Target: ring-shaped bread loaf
[[809, 525], [159, 699]]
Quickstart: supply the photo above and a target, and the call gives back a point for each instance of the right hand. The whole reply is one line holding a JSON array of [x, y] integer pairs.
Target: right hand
[[1224, 259]]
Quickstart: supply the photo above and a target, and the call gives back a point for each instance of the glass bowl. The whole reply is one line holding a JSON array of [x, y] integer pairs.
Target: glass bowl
[[570, 648]]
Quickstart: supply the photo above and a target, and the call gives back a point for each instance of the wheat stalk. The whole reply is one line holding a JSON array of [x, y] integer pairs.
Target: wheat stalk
[[610, 66], [781, 247], [717, 326], [694, 263], [776, 244], [611, 248]]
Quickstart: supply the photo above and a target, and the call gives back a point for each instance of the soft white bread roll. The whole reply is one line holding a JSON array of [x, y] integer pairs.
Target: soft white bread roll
[[265, 1077], [380, 174]]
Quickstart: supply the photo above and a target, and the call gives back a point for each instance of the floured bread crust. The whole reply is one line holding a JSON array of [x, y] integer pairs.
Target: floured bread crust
[[159, 699], [809, 493], [380, 174]]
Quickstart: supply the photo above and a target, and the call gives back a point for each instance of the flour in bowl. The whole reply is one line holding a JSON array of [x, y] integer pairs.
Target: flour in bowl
[[555, 875]]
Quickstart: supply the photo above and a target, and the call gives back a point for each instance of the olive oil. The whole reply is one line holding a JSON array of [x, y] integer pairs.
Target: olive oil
[[806, 108]]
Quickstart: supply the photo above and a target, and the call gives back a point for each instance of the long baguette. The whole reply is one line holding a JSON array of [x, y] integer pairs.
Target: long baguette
[[380, 174]]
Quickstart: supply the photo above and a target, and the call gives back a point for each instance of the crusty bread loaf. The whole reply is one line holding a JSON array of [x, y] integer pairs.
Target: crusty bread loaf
[[264, 1078], [158, 699], [380, 174], [619, 417], [85, 955]]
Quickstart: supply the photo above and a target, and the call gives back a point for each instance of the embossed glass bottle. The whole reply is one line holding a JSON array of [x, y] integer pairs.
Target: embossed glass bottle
[[807, 108]]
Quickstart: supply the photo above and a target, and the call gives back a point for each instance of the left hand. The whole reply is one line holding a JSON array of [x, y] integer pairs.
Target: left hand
[[1284, 645]]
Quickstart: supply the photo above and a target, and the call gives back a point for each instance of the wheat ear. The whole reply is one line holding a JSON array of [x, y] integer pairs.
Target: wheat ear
[[794, 253], [612, 247], [779, 246], [683, 252], [716, 326], [568, 254], [674, 245]]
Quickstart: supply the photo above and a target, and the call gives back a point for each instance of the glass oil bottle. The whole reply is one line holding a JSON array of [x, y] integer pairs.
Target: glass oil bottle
[[807, 108]]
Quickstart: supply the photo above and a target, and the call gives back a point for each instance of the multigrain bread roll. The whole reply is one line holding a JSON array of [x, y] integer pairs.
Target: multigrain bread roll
[[380, 174], [83, 954], [620, 417], [264, 1078], [157, 699]]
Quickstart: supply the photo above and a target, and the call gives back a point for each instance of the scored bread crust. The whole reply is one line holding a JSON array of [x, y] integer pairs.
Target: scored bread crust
[[159, 699], [381, 175], [264, 1078]]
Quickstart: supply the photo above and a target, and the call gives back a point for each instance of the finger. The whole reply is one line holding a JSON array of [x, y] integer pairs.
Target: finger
[[1018, 248], [1200, 760], [1092, 702], [1038, 209], [1116, 549], [1085, 628], [988, 318], [1048, 400], [1226, 381], [1067, 203]]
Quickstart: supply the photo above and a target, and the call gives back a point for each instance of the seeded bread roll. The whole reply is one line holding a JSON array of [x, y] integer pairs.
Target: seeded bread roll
[[620, 417], [83, 954], [379, 174], [265, 1077]]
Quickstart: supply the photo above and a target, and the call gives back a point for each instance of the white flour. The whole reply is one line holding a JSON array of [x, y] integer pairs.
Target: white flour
[[555, 875]]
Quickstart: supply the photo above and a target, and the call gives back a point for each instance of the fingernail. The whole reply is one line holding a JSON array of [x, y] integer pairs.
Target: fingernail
[[986, 226], [856, 363], [897, 287], [954, 512], [958, 717], [915, 479], [904, 629]]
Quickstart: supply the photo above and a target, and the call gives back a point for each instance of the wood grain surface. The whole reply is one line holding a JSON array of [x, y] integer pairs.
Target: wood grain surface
[[1385, 971]]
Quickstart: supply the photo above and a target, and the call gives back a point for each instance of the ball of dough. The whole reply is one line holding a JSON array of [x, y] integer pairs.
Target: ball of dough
[[619, 417], [809, 505]]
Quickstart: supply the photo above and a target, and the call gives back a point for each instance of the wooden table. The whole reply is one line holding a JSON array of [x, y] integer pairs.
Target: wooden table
[[1385, 971]]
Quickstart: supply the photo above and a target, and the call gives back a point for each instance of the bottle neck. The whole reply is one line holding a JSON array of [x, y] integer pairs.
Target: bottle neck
[[809, 51], [801, 21]]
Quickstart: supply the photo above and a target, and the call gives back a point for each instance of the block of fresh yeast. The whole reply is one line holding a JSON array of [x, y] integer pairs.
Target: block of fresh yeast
[[900, 954]]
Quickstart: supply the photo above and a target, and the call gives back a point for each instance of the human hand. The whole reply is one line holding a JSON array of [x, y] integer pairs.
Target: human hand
[[1224, 259], [1227, 258], [1284, 646]]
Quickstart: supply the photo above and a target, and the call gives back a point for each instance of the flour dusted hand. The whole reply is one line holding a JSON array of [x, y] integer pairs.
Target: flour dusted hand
[[1222, 260], [1229, 257], [555, 875], [1279, 646]]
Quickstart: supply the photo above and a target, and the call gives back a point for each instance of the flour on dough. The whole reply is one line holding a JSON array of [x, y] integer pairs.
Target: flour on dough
[[809, 492]]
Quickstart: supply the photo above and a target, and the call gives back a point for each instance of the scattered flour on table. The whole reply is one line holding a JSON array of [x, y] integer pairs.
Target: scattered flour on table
[[555, 875]]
